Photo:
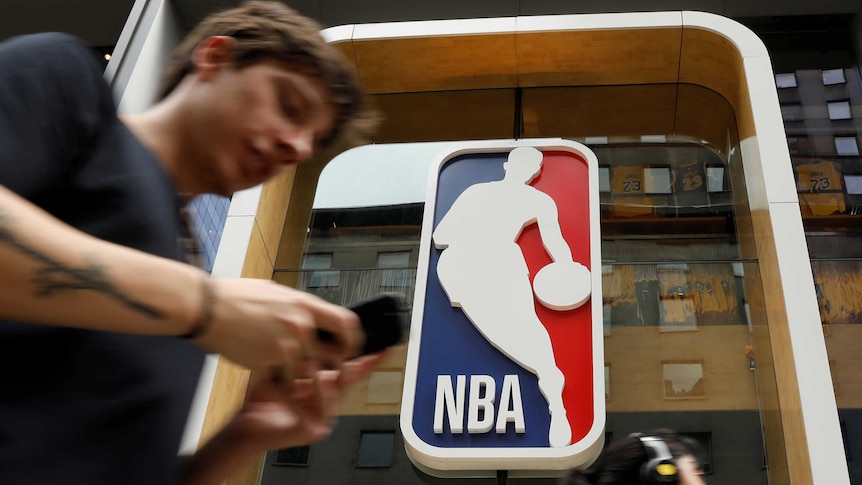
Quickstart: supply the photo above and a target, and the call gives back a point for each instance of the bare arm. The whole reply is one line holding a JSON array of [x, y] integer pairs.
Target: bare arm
[[54, 274]]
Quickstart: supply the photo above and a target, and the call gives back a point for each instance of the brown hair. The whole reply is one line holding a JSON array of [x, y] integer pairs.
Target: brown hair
[[620, 463], [267, 31]]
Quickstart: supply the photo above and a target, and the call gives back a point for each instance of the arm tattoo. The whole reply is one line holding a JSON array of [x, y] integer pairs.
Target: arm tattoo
[[53, 276]]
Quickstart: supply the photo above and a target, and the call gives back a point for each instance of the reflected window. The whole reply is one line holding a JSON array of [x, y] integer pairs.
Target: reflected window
[[318, 279], [657, 180], [792, 112], [397, 272], [704, 439], [607, 382], [833, 76], [715, 181], [375, 449], [785, 80], [596, 140], [604, 179], [799, 145], [846, 145], [393, 259], [654, 139], [853, 183], [295, 456], [839, 110]]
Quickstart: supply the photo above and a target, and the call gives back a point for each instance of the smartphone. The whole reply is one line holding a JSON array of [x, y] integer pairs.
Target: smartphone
[[380, 322]]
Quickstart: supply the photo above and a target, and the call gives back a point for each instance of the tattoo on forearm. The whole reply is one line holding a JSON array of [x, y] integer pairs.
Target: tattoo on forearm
[[53, 276]]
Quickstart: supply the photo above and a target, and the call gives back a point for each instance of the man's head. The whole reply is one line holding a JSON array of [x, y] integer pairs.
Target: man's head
[[272, 32]]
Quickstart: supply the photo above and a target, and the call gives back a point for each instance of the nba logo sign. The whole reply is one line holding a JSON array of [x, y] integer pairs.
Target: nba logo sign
[[505, 365]]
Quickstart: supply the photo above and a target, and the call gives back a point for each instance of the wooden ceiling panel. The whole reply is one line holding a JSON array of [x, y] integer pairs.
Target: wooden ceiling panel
[[437, 63], [703, 113], [598, 57], [577, 112], [446, 115], [712, 61]]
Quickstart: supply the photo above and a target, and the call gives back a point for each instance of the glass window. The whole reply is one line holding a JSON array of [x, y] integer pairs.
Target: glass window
[[654, 138], [596, 140], [296, 456], [715, 179], [799, 145], [317, 261], [846, 145], [853, 183], [375, 449], [704, 439], [318, 279], [791, 112], [839, 110], [657, 180], [833, 76], [604, 179], [394, 259], [785, 80]]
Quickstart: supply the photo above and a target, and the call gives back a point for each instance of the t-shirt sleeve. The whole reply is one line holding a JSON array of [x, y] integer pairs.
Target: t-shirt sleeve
[[53, 101]]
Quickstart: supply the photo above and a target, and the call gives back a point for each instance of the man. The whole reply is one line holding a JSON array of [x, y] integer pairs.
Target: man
[[97, 381]]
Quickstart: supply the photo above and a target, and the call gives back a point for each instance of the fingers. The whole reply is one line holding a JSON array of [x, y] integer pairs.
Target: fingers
[[342, 325], [358, 369], [288, 375]]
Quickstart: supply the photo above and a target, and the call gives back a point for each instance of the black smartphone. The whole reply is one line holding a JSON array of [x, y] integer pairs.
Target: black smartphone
[[380, 321]]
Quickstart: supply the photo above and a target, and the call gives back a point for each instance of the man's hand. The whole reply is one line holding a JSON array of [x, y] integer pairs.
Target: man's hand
[[262, 325], [277, 416]]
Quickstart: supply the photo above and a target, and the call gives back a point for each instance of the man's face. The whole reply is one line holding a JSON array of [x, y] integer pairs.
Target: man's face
[[252, 123]]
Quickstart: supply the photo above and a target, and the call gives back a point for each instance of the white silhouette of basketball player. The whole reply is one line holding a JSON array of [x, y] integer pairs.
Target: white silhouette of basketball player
[[483, 271]]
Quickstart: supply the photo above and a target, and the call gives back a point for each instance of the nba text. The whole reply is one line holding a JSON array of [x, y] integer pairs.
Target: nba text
[[451, 400]]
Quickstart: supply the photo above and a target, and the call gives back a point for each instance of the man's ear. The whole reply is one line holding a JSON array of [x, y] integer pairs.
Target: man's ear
[[213, 54]]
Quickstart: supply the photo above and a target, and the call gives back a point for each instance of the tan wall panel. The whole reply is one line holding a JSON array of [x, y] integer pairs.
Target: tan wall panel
[[770, 409], [228, 394], [356, 400], [785, 371], [297, 216], [274, 200], [710, 60], [573, 112], [437, 63], [842, 344], [598, 57], [449, 115], [257, 263], [636, 355], [744, 218], [347, 50]]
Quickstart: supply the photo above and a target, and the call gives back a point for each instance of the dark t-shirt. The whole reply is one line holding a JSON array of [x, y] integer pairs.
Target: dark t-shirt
[[78, 406]]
